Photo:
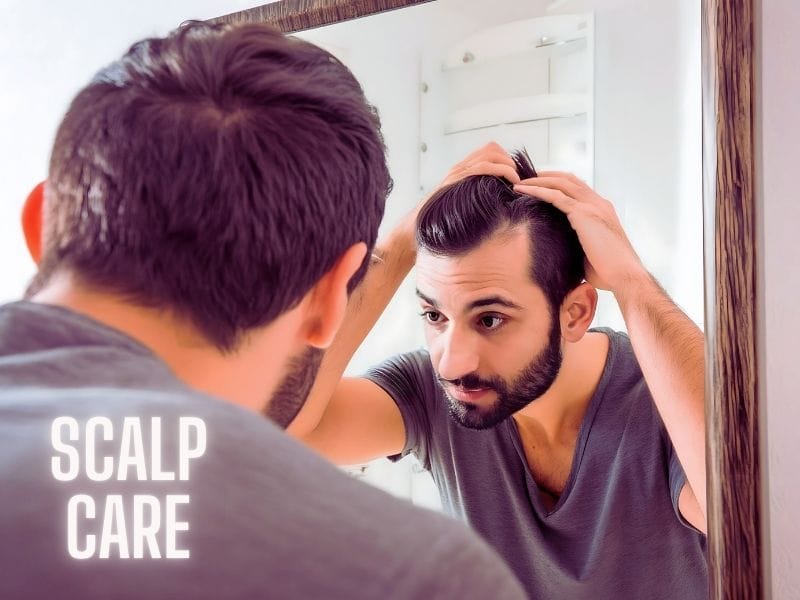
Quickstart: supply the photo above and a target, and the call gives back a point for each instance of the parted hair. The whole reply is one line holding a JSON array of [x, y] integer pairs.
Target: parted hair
[[218, 172], [461, 216]]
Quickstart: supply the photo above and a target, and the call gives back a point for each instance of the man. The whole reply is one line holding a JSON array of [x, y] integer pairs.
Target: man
[[187, 255], [541, 434]]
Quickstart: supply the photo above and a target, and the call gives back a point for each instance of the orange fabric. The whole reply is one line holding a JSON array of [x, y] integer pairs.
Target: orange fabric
[[32, 221]]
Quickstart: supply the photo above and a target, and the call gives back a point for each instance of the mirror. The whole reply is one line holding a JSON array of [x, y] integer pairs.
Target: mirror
[[447, 77], [618, 102]]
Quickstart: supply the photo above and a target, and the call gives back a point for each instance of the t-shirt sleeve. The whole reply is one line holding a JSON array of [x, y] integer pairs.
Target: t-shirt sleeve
[[408, 379], [677, 479]]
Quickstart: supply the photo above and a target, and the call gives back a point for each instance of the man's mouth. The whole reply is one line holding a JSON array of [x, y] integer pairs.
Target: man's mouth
[[470, 395]]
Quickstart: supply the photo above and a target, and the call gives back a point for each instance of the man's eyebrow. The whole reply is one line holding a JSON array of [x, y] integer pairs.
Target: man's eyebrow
[[430, 301], [491, 300], [488, 301]]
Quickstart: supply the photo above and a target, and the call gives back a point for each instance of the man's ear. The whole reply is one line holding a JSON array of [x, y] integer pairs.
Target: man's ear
[[577, 311], [327, 300], [32, 221]]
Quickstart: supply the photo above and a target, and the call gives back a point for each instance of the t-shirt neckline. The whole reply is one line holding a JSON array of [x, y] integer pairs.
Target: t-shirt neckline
[[534, 492]]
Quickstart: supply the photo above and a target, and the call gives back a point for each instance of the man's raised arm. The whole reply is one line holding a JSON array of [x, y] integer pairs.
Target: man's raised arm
[[353, 420], [668, 345]]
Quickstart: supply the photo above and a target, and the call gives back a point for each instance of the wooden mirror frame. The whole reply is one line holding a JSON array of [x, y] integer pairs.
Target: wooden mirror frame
[[735, 536]]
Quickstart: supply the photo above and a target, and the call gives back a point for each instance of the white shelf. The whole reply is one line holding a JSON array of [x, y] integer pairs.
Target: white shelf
[[543, 36], [527, 84], [517, 110]]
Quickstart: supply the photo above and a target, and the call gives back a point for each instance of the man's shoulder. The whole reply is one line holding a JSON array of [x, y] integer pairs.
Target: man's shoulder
[[54, 349], [258, 504], [419, 357], [622, 370], [417, 541], [624, 400], [413, 366]]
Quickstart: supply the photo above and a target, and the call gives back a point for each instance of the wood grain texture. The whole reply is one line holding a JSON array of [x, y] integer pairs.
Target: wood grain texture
[[735, 541], [297, 15]]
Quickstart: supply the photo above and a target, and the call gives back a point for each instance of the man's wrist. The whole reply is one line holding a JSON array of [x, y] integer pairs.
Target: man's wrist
[[398, 250], [635, 288]]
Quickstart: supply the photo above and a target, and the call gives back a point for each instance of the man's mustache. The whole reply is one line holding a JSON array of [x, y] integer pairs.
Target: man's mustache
[[471, 381]]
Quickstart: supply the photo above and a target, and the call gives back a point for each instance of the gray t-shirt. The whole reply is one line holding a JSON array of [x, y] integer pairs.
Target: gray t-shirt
[[266, 517], [615, 531]]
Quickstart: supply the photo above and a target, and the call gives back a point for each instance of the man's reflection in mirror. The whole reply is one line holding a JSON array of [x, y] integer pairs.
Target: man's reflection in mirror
[[577, 452]]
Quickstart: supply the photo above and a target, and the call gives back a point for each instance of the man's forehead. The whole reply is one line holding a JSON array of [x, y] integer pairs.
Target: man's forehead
[[501, 258], [491, 270], [441, 272]]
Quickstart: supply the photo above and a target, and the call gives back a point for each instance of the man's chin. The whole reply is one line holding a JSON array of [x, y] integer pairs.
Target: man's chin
[[472, 416]]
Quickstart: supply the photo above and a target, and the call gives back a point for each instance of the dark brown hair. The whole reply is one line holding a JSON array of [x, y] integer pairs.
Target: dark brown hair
[[218, 172], [459, 217]]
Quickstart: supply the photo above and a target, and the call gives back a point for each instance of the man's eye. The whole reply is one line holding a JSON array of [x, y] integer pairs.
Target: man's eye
[[431, 316], [491, 321]]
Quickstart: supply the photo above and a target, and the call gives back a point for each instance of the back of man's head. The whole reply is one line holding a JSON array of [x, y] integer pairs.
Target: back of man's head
[[459, 217], [217, 173]]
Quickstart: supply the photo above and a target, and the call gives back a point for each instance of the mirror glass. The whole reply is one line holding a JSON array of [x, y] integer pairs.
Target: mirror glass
[[607, 89]]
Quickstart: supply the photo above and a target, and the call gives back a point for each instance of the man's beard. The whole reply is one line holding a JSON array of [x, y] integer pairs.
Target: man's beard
[[535, 379], [293, 390]]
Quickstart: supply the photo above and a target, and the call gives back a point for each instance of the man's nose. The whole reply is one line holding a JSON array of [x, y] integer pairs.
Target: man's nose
[[459, 355]]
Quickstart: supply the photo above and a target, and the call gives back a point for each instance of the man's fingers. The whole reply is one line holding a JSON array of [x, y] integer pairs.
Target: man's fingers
[[490, 159], [485, 167], [566, 175], [556, 197], [556, 183], [490, 148], [496, 169], [491, 152], [501, 158]]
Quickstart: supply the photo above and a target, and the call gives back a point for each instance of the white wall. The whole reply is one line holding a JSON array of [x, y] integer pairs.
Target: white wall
[[778, 120], [648, 138]]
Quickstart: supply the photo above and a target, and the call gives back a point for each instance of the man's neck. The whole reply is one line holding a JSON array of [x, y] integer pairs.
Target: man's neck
[[560, 411], [241, 376]]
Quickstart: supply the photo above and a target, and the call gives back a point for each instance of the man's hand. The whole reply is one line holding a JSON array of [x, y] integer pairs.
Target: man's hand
[[611, 260], [490, 159]]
